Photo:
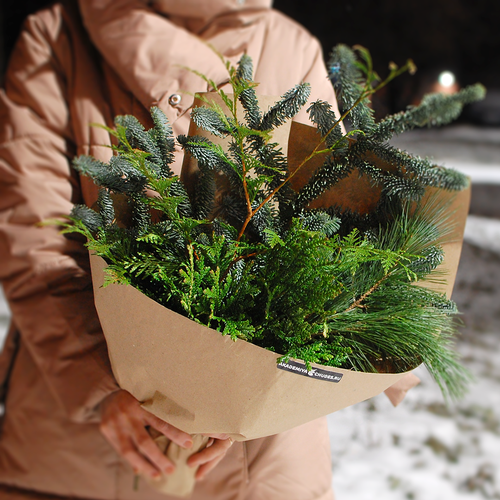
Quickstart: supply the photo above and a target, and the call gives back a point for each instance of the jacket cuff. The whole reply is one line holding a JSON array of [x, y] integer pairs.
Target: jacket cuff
[[397, 392]]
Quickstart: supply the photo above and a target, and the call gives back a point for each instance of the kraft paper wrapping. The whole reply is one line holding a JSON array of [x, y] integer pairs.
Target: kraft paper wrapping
[[203, 382]]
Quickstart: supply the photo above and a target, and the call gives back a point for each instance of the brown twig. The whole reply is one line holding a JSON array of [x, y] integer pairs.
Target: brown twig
[[358, 302]]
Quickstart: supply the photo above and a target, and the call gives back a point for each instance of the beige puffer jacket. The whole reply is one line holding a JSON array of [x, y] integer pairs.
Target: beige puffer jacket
[[65, 74]]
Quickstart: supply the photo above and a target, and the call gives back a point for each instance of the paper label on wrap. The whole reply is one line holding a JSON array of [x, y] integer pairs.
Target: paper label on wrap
[[318, 373]]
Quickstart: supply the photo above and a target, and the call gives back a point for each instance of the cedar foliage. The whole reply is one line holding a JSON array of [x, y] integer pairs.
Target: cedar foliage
[[259, 264]]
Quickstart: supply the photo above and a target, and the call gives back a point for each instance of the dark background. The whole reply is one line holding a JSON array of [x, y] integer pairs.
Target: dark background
[[458, 35]]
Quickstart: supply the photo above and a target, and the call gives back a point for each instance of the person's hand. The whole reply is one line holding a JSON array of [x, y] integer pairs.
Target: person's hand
[[123, 424], [211, 455]]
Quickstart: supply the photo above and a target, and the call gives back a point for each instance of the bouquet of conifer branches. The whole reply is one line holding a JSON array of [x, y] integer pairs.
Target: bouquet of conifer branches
[[241, 251], [272, 250]]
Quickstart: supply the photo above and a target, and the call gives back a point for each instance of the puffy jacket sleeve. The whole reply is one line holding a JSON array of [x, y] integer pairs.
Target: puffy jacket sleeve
[[45, 276]]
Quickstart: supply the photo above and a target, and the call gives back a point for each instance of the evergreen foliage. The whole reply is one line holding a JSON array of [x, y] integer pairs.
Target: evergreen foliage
[[326, 286]]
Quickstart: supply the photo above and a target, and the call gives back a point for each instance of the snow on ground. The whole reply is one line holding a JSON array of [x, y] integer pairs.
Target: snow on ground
[[424, 449], [483, 232]]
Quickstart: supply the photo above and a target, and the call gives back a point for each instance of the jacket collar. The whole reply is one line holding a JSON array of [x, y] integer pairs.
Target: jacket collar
[[149, 53], [205, 9]]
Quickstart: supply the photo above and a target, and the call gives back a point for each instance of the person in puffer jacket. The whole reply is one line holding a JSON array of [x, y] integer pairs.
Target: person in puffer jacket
[[68, 431]]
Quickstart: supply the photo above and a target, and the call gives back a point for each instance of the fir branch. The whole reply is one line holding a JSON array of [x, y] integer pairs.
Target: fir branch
[[248, 96], [88, 218], [162, 135], [106, 207], [321, 114], [205, 194], [210, 119], [435, 110], [287, 107], [324, 178], [351, 88]]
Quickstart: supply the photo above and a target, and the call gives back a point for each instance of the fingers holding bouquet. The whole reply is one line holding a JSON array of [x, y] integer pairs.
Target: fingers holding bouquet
[[211, 455], [131, 431], [123, 424]]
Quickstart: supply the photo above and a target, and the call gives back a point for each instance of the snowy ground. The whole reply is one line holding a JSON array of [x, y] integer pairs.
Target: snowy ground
[[424, 449]]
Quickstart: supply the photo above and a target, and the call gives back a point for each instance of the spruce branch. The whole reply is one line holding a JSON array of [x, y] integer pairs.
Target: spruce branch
[[435, 110]]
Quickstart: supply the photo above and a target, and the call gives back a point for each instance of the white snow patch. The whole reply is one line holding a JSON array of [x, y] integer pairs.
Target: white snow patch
[[478, 173], [483, 232]]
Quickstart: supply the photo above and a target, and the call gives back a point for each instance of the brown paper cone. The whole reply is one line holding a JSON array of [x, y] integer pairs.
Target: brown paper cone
[[203, 382], [458, 208]]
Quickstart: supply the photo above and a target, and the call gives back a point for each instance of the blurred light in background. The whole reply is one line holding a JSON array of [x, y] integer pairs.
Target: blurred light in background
[[445, 83], [447, 79]]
